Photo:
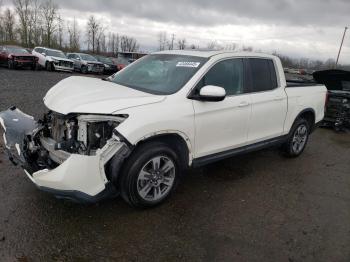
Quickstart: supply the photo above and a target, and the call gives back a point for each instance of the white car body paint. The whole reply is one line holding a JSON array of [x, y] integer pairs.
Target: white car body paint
[[206, 127], [43, 59]]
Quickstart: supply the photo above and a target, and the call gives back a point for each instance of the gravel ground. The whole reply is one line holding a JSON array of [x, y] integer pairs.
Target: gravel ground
[[257, 207]]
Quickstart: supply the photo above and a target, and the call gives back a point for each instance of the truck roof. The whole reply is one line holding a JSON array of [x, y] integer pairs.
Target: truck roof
[[211, 53]]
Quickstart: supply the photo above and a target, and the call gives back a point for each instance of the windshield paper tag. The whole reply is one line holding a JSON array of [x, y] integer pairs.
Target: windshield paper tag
[[188, 64]]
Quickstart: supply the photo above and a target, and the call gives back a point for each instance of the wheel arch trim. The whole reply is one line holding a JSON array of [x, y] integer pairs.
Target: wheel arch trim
[[159, 134]]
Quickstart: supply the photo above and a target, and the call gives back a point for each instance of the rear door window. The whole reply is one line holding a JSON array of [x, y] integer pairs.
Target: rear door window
[[262, 74]]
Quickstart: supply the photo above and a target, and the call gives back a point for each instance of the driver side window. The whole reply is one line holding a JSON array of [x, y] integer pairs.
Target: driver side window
[[227, 74]]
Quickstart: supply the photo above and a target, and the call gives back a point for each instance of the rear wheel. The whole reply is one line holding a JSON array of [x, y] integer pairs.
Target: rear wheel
[[150, 175], [298, 138]]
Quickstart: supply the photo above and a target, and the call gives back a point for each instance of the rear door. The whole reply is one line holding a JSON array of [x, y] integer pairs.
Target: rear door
[[268, 98], [41, 58], [221, 126]]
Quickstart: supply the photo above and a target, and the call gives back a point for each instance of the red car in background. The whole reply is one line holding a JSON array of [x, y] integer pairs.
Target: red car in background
[[15, 57], [121, 62]]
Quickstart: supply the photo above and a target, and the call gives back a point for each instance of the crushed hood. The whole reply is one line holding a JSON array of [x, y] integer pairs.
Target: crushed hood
[[78, 94]]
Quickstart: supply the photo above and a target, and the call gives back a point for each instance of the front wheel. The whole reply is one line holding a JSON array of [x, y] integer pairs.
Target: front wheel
[[84, 70], [150, 175], [50, 67], [298, 138], [10, 64]]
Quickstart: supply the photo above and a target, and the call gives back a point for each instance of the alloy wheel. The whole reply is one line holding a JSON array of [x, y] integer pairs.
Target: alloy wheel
[[156, 178], [299, 138]]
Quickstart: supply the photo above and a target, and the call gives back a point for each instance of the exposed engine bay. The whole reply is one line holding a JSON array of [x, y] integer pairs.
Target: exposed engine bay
[[50, 141], [58, 152]]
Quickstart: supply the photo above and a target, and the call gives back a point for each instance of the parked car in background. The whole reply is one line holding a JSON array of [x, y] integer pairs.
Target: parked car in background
[[137, 132], [109, 66], [52, 59], [14, 57], [294, 71], [121, 62], [86, 63], [338, 101]]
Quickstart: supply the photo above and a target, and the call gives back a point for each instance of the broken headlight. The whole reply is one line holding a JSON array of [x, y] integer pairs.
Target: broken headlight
[[98, 133], [95, 131]]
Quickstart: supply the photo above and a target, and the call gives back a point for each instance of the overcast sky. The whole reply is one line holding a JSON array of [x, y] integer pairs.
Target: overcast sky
[[302, 28]]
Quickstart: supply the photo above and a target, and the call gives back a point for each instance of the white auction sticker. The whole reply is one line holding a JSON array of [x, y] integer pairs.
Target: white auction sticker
[[188, 64]]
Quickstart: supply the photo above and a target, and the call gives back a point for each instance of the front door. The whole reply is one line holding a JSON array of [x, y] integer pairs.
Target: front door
[[221, 126]]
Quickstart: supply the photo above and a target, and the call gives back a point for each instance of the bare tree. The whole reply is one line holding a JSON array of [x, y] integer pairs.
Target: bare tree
[[74, 36], [2, 30], [93, 32], [49, 14], [162, 40], [9, 26], [171, 42], [330, 63], [35, 28], [193, 46], [101, 42], [181, 43], [128, 44], [214, 45], [113, 43], [23, 10], [247, 48], [60, 31], [231, 47]]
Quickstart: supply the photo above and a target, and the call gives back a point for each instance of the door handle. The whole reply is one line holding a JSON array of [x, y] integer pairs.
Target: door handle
[[243, 104]]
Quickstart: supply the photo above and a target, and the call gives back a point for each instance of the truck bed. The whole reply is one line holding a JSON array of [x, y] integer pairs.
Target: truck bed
[[301, 83]]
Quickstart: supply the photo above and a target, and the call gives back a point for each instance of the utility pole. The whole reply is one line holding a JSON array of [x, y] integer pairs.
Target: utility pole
[[341, 45]]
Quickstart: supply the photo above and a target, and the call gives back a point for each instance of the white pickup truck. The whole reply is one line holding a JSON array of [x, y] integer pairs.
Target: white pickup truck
[[136, 132]]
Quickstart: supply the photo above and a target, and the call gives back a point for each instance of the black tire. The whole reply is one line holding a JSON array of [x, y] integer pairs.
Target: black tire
[[84, 69], [291, 147], [129, 183], [33, 67], [50, 67], [10, 64]]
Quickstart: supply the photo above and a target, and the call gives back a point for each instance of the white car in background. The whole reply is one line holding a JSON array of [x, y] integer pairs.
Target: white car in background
[[137, 132], [53, 60]]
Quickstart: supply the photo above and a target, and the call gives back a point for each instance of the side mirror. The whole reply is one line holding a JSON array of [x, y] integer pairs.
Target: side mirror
[[212, 93], [44, 54]]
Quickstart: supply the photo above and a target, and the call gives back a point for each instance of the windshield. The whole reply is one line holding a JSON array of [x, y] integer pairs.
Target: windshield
[[87, 57], [17, 50], [159, 74], [105, 60], [55, 53]]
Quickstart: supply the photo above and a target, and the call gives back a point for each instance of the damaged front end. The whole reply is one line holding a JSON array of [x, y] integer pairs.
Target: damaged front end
[[337, 113], [66, 155]]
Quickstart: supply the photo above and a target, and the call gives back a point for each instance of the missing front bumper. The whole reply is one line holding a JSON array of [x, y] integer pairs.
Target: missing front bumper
[[81, 178]]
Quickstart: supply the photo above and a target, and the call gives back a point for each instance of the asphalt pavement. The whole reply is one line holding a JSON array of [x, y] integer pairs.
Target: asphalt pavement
[[256, 207]]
